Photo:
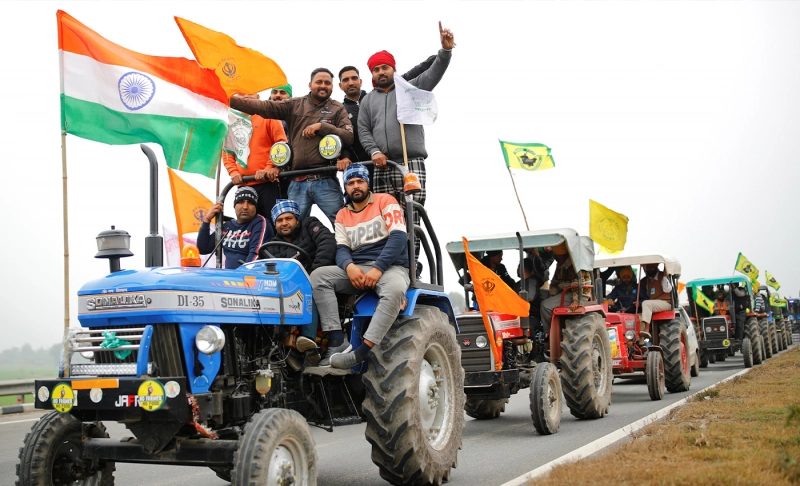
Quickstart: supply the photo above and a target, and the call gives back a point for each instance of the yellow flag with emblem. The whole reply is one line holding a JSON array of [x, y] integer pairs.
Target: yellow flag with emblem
[[746, 267], [527, 156], [771, 281], [775, 301], [703, 301], [190, 205], [607, 228]]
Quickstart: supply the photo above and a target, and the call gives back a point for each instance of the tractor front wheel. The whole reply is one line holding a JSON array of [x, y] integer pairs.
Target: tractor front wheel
[[586, 370], [546, 399], [656, 385], [763, 327], [695, 371], [751, 333], [415, 399], [481, 409], [672, 339]]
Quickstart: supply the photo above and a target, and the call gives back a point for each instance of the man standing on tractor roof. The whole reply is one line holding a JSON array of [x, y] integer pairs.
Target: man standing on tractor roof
[[318, 242], [372, 253], [308, 120], [246, 153], [658, 290], [741, 306], [241, 237], [379, 130], [565, 276]]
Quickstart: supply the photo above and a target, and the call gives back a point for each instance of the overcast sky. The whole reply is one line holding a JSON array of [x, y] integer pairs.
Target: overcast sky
[[683, 116]]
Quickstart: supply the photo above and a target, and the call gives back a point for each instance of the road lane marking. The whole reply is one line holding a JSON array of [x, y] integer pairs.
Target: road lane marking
[[19, 421], [611, 438]]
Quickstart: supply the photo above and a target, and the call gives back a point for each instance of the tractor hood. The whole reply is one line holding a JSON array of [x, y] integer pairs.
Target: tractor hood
[[246, 295]]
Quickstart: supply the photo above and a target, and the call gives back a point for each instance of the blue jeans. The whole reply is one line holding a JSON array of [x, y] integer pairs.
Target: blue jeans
[[325, 193]]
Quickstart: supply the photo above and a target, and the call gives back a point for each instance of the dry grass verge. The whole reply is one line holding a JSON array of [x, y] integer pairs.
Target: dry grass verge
[[745, 431]]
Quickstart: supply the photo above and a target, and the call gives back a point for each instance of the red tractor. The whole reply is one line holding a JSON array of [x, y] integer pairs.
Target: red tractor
[[661, 352]]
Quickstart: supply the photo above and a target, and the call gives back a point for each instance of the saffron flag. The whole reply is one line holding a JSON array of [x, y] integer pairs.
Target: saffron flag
[[527, 156], [173, 246], [414, 106], [190, 205], [113, 95], [703, 301], [493, 294], [744, 266], [240, 70], [607, 228], [771, 281]]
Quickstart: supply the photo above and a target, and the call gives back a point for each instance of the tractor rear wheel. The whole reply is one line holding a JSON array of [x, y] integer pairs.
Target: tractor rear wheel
[[747, 353], [586, 370], [763, 348], [673, 341], [712, 358], [481, 409], [695, 371], [546, 399], [276, 447], [415, 399], [763, 327], [51, 454], [656, 384], [751, 333], [773, 338]]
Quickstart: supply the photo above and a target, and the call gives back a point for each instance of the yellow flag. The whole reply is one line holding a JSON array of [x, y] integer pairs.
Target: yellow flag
[[775, 301], [603, 249], [190, 205], [746, 267], [771, 281], [527, 156], [703, 301], [240, 70], [607, 228]]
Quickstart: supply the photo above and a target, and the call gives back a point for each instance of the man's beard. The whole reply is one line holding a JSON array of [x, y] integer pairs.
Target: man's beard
[[384, 83], [316, 97], [361, 197]]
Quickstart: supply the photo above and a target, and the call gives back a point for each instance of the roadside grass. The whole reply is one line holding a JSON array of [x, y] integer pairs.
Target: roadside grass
[[743, 432], [25, 372]]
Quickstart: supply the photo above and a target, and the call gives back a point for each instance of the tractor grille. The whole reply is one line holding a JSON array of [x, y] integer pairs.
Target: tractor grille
[[715, 328], [165, 358], [474, 358]]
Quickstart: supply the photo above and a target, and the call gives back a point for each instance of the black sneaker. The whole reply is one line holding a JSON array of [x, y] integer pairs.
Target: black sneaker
[[419, 270], [345, 347]]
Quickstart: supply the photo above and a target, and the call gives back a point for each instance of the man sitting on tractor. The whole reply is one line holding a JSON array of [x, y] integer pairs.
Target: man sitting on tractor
[[564, 277], [624, 293], [241, 237], [658, 290], [720, 305], [532, 285], [320, 247], [741, 306], [371, 253]]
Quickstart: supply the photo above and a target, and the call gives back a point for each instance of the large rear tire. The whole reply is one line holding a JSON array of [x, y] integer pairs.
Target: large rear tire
[[747, 353], [275, 448], [546, 399], [481, 409], [50, 454], [695, 371], [415, 399], [763, 348], [673, 341], [773, 338], [656, 384], [703, 359], [763, 327], [751, 333], [586, 370]]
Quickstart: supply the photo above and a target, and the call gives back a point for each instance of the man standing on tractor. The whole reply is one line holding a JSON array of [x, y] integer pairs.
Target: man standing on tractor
[[565, 277], [720, 306], [372, 253], [280, 93], [308, 120], [532, 286], [241, 237], [625, 293], [246, 153], [741, 306], [320, 247], [658, 290]]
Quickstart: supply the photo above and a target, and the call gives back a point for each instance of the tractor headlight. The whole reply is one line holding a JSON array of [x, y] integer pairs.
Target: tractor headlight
[[629, 335], [481, 341], [209, 340]]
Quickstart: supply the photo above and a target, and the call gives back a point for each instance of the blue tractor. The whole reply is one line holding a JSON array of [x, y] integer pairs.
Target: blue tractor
[[193, 362]]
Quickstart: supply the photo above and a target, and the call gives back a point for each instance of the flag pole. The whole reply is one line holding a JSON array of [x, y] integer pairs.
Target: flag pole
[[403, 140], [516, 194], [66, 225]]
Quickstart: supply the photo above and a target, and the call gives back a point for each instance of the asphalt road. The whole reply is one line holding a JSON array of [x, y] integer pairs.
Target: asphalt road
[[494, 451]]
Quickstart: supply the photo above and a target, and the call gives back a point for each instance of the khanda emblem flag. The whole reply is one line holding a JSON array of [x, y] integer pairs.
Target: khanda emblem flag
[[772, 282], [746, 267], [488, 285], [229, 69]]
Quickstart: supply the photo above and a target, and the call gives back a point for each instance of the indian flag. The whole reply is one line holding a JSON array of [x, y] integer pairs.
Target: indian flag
[[113, 95]]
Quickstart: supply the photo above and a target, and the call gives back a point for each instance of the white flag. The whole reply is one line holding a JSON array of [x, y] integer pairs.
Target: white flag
[[414, 106]]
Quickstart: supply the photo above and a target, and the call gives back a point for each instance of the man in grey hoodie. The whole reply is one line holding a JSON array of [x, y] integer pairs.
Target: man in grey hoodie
[[379, 130]]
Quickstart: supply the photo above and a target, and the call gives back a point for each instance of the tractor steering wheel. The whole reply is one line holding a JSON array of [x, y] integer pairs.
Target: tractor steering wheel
[[262, 250]]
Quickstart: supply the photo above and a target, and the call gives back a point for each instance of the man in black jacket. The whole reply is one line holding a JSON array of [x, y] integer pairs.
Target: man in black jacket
[[320, 245]]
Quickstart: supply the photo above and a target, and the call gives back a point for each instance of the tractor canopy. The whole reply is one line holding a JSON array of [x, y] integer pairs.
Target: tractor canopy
[[580, 248], [709, 282], [671, 265]]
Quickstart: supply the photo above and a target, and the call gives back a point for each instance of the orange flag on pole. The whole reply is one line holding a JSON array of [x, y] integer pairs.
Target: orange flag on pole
[[190, 206], [493, 294], [240, 70]]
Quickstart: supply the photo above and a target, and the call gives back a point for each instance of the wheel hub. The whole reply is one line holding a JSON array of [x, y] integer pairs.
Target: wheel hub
[[282, 468], [434, 395]]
